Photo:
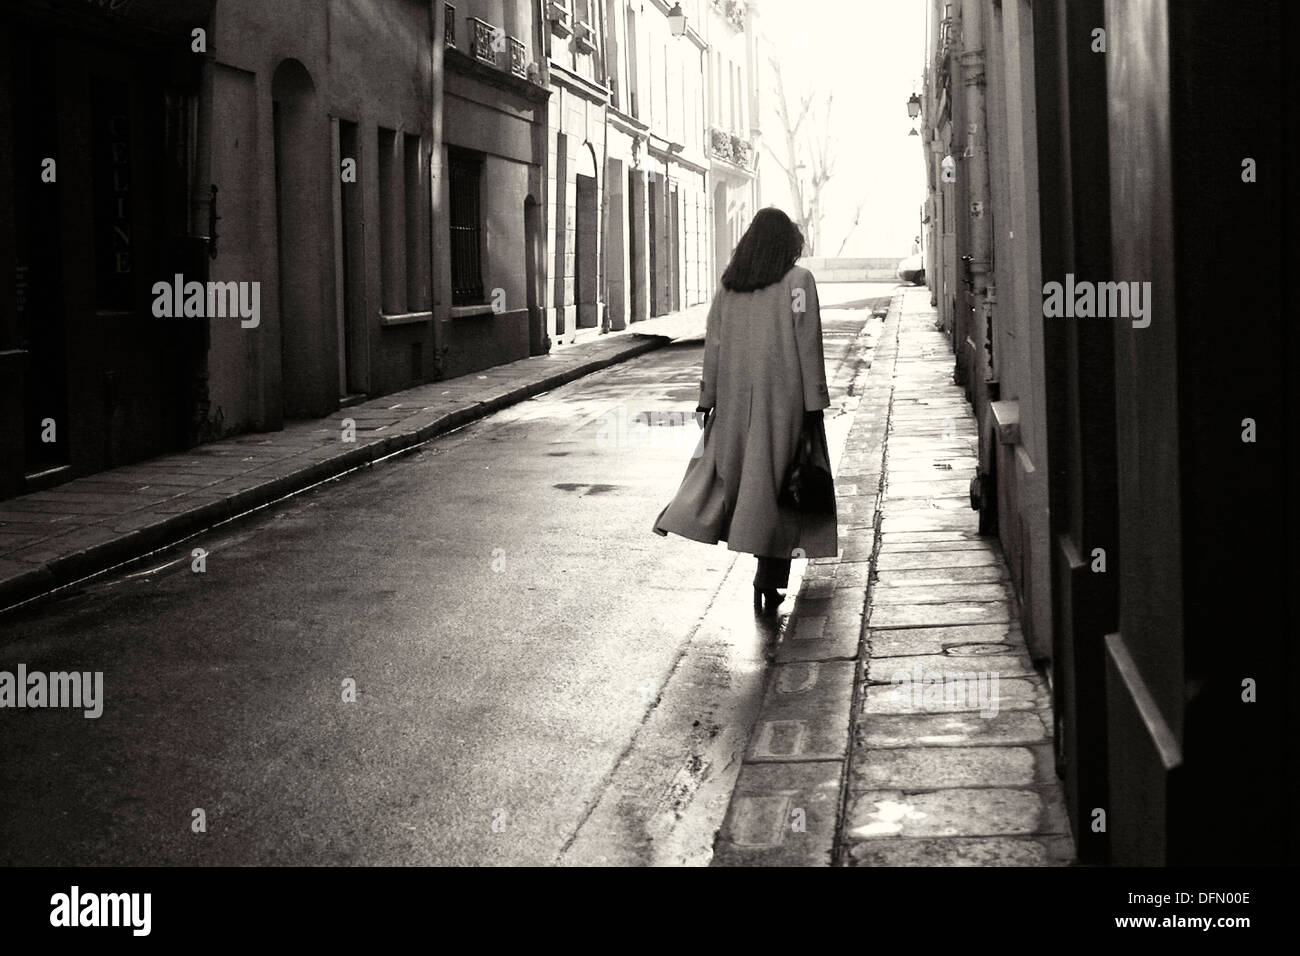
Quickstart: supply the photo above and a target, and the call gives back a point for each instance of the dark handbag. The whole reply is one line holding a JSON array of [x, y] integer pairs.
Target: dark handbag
[[808, 488]]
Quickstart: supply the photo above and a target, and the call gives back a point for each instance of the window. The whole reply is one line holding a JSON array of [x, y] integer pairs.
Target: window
[[417, 227], [632, 75], [465, 176], [736, 118], [392, 228], [719, 96], [613, 51], [403, 223]]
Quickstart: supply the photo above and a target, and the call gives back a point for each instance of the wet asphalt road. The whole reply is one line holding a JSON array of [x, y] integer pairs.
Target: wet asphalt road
[[497, 598]]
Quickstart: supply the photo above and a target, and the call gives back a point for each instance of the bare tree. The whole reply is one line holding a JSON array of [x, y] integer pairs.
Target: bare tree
[[817, 156]]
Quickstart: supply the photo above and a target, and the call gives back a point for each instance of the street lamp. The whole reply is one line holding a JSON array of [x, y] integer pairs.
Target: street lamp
[[677, 20], [914, 106]]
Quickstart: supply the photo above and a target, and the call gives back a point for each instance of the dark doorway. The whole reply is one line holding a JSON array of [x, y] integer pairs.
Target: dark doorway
[[537, 339], [585, 271], [656, 211], [352, 375], [633, 245], [464, 185], [308, 333], [674, 300]]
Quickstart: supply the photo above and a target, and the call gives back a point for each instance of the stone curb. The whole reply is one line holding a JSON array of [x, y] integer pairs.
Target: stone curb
[[68, 568]]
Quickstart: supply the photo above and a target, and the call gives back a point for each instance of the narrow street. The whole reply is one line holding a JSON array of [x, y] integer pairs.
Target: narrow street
[[510, 623]]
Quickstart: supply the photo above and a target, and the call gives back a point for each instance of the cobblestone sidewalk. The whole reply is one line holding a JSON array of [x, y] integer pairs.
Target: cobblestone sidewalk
[[922, 734]]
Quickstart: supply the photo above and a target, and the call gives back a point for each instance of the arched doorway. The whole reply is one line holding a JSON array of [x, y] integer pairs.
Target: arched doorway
[[586, 290]]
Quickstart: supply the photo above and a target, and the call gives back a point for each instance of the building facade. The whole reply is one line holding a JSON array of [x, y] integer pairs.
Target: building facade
[[321, 174], [642, 192], [490, 184], [1080, 155], [400, 190]]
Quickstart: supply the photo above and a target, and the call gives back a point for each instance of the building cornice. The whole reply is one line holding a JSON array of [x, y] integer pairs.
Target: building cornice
[[578, 83], [627, 123], [730, 171], [669, 156]]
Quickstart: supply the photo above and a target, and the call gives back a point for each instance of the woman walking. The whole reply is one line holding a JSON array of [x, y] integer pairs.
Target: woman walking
[[763, 387]]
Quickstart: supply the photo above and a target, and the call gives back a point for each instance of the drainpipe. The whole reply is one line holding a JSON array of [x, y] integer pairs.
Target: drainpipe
[[542, 285], [202, 222], [602, 236], [437, 223], [977, 170]]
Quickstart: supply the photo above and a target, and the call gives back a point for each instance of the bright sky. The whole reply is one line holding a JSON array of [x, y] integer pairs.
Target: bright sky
[[870, 54]]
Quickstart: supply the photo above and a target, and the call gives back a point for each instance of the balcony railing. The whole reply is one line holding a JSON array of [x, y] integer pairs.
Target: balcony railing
[[483, 39], [491, 45], [518, 57]]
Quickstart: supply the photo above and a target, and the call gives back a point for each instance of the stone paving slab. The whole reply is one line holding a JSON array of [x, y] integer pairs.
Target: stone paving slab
[[781, 815], [963, 851], [933, 640], [934, 615], [815, 637], [941, 577], [929, 521], [932, 504], [963, 729], [858, 547], [891, 544], [805, 713], [967, 812], [893, 560], [895, 538], [938, 768], [1015, 693], [955, 487], [130, 511], [888, 670], [893, 593]]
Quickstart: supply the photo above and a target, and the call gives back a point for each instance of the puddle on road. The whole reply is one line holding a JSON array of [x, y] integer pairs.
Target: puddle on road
[[595, 489]]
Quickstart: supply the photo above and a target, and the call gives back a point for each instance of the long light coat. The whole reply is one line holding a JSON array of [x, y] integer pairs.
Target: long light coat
[[763, 368]]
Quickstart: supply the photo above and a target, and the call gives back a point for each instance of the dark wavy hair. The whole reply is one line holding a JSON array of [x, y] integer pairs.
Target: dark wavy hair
[[765, 253]]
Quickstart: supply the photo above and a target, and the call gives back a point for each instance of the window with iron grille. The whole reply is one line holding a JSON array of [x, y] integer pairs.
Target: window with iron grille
[[466, 172]]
